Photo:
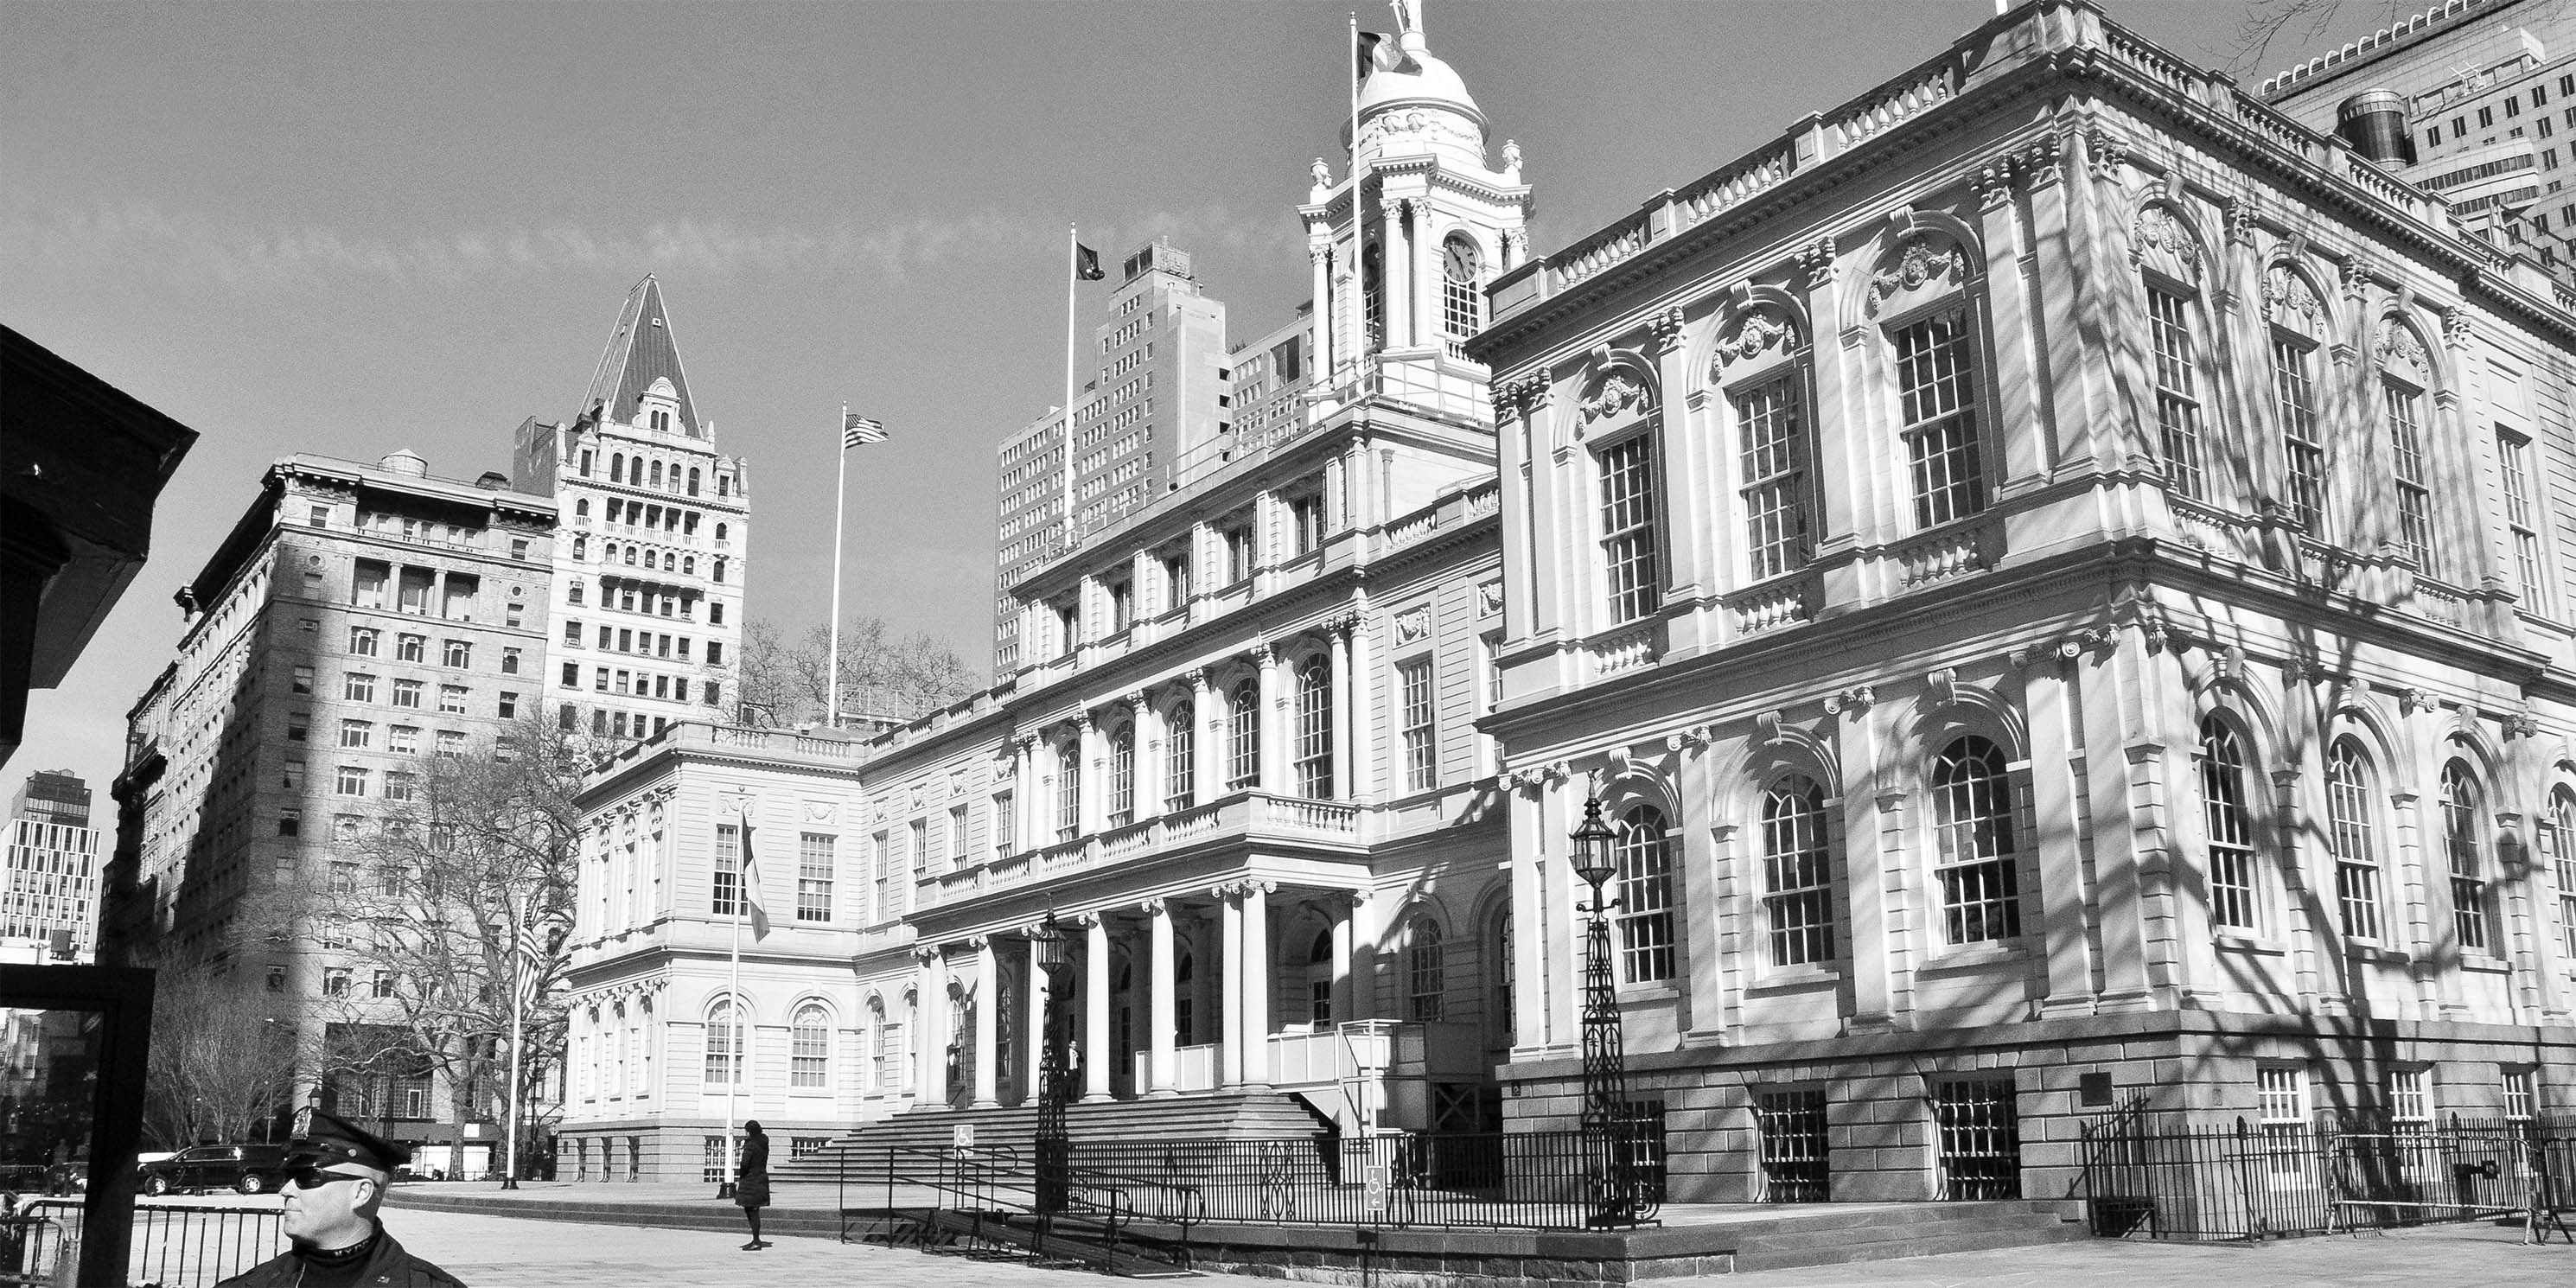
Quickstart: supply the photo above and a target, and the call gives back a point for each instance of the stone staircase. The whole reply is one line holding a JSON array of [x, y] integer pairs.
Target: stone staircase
[[862, 1155], [1823, 1236]]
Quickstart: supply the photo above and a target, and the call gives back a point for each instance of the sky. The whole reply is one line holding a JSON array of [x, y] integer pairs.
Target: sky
[[348, 229]]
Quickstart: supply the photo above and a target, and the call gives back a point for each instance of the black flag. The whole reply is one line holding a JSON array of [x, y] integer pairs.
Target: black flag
[[1086, 264]]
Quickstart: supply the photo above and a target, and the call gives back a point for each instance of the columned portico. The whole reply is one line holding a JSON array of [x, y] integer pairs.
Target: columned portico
[[1096, 1048], [988, 1018], [930, 1004], [1162, 1079]]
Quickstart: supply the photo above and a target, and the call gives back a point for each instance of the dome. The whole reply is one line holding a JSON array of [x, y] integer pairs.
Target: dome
[[1434, 85]]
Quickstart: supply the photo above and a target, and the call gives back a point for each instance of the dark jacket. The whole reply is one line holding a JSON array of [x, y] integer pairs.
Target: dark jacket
[[388, 1265], [751, 1179]]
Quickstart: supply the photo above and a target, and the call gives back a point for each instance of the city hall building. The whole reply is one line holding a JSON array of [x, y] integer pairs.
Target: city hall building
[[2057, 576]]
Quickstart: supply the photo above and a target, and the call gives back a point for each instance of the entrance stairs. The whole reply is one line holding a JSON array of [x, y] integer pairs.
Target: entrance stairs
[[1015, 1235], [861, 1156], [1823, 1236]]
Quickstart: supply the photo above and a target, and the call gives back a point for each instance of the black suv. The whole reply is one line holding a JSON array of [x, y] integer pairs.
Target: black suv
[[249, 1169]]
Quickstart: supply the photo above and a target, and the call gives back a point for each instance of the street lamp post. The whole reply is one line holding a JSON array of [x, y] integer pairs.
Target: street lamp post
[[1618, 1197], [1051, 950]]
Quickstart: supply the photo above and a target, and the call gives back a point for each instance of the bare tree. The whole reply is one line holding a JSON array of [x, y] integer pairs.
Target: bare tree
[[882, 674], [220, 1065], [2267, 22], [471, 883]]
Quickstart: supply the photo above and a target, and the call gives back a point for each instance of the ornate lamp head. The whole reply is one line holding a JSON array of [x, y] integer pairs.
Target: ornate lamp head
[[1595, 858]]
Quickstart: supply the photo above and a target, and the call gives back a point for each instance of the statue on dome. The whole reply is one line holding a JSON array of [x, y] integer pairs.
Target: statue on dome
[[1323, 175], [1408, 16]]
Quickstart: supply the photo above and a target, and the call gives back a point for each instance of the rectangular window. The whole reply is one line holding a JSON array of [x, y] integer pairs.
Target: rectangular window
[[1774, 437], [459, 654], [415, 591], [1421, 731], [1795, 1163], [451, 699], [1937, 396], [1644, 889], [335, 981], [2414, 487], [509, 661], [358, 686], [572, 675], [508, 706], [352, 781], [403, 739], [1237, 539], [407, 693], [1628, 539], [1180, 758], [2169, 327], [2281, 1103], [724, 892], [411, 648], [401, 787], [2409, 1099], [2519, 1093], [2513, 457], [1305, 523], [451, 742], [357, 733], [957, 836], [814, 864], [318, 516], [1243, 736], [2303, 449], [300, 680], [1978, 1136], [363, 641], [881, 846]]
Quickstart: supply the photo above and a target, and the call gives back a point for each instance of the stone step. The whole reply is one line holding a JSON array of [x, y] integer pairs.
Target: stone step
[[1239, 1116], [1826, 1246]]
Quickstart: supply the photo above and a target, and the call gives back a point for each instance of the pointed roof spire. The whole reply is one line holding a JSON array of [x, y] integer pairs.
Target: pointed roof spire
[[641, 351]]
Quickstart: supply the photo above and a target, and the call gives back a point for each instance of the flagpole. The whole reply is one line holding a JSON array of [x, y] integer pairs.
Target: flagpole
[[1359, 231], [840, 507], [1072, 278]]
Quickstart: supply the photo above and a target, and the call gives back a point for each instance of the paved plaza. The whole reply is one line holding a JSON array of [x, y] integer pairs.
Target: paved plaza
[[508, 1252]]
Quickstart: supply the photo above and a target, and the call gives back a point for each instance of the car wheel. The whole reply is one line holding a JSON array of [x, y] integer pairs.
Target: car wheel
[[251, 1183], [156, 1185]]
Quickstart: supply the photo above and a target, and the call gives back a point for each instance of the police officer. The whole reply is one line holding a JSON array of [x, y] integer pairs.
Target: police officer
[[339, 1179]]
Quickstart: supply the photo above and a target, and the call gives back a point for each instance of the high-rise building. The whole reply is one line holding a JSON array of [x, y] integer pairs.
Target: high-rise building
[[2058, 579], [357, 621], [1160, 395], [656, 534], [49, 883], [2472, 100]]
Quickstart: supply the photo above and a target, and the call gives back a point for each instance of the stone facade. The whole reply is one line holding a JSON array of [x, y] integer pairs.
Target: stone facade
[[2053, 570]]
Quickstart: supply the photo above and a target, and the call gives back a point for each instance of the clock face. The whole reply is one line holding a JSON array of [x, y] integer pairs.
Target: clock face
[[1462, 260]]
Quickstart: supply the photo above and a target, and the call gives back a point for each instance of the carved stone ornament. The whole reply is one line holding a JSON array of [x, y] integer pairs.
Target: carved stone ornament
[[1857, 699], [1666, 329], [1413, 625], [2157, 230], [2411, 701], [1994, 183], [2456, 329], [2357, 273], [2288, 299], [1695, 738], [1619, 393], [1761, 328], [1816, 260], [818, 812], [2518, 724], [1489, 598], [2240, 213], [2109, 154], [2398, 345], [2038, 163], [1924, 260]]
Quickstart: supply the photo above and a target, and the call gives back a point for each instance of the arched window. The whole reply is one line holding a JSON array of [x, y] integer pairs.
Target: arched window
[[1629, 541], [1180, 756], [724, 1052], [1243, 735], [2463, 841], [2296, 337], [1978, 863], [2409, 470], [2557, 837], [1425, 980], [1797, 867], [1068, 790], [617, 468], [720, 531], [1645, 894], [1319, 980], [693, 480], [581, 507], [1184, 999], [882, 1060], [719, 570], [1313, 761], [1501, 955], [1937, 398], [657, 474], [1462, 270], [809, 1047], [670, 562], [2234, 898], [580, 547], [630, 556], [2349, 835], [1373, 289], [1122, 775], [688, 565]]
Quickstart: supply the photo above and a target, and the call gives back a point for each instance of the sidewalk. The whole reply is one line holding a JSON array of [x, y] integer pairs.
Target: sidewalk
[[509, 1252]]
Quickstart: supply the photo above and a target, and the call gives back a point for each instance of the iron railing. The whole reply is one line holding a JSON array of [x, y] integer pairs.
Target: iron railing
[[1515, 1180], [174, 1245], [2165, 1176]]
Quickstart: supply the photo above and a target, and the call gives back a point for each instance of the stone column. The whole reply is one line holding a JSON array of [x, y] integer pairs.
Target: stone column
[[1095, 1006], [1274, 745], [929, 1047], [2059, 750], [1363, 739], [1163, 1077], [1086, 741], [1024, 794], [1255, 991], [1319, 255], [988, 1018], [1422, 289], [1395, 265], [1229, 1031], [1344, 780], [1033, 1032], [1342, 973], [1874, 885]]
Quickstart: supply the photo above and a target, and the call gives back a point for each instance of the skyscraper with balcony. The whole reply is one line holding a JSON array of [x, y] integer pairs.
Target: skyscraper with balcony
[[649, 576]]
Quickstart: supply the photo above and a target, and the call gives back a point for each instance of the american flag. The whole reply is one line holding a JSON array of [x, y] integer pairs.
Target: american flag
[[858, 429]]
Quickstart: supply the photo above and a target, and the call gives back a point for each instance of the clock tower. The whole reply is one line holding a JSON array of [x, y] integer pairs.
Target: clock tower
[[1423, 218]]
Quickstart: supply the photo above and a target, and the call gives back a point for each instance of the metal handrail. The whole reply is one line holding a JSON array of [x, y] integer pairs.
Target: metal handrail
[[993, 1182]]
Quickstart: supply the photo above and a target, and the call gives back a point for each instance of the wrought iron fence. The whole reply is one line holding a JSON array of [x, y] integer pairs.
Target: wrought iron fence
[[2164, 1176], [174, 1245], [1519, 1180]]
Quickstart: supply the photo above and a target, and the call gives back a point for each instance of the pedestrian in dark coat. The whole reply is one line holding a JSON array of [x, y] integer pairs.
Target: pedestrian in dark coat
[[751, 1181], [339, 1179]]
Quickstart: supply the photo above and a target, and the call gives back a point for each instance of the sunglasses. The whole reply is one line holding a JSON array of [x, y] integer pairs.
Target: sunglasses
[[314, 1178]]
